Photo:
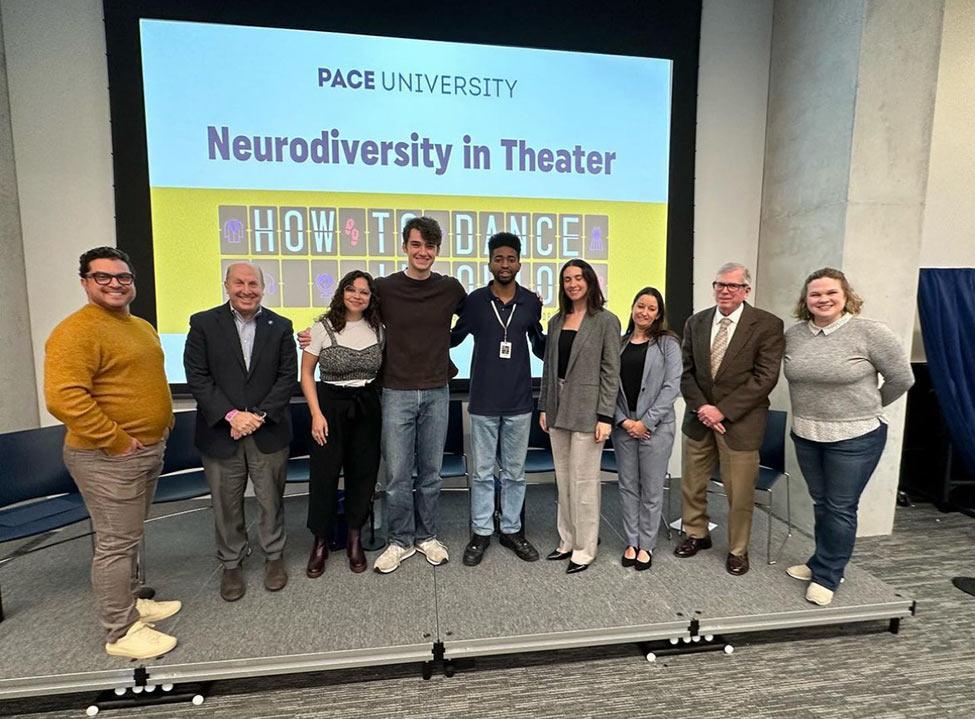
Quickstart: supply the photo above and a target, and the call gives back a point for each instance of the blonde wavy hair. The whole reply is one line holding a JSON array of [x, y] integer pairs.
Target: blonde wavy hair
[[853, 301]]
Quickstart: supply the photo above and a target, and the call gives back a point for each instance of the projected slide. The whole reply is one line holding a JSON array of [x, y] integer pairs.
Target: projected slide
[[305, 152]]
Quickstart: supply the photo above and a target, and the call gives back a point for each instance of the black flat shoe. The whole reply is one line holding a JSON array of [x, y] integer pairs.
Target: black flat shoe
[[627, 561], [574, 568], [642, 566], [556, 556]]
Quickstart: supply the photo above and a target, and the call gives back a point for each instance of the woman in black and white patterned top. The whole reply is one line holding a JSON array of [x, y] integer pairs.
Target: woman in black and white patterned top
[[346, 417]]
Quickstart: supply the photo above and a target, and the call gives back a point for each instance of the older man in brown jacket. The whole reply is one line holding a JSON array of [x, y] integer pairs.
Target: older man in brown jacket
[[732, 356]]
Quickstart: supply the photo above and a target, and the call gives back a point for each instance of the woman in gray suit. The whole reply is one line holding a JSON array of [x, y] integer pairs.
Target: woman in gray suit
[[580, 380], [643, 436]]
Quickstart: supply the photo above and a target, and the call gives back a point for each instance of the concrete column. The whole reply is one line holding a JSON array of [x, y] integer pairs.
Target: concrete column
[[18, 396], [851, 103]]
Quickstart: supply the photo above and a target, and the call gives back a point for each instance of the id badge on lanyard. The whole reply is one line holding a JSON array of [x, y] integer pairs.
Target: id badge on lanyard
[[504, 349]]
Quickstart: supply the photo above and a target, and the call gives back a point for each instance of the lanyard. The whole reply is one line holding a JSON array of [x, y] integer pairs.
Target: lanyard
[[504, 325]]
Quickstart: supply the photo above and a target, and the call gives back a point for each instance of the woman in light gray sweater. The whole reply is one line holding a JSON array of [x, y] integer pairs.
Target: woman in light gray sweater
[[832, 361]]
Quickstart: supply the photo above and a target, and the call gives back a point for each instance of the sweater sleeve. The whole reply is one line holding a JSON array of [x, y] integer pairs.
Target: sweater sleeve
[[69, 371], [891, 362]]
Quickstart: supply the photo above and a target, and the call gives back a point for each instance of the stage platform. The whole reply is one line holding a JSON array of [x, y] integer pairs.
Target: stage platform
[[52, 643]]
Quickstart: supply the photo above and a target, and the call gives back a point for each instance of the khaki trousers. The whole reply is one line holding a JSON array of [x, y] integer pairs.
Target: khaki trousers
[[576, 457], [738, 472], [118, 492]]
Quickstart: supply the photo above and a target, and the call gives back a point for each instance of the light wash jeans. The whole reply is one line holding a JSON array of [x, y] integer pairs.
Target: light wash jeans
[[510, 451], [414, 432]]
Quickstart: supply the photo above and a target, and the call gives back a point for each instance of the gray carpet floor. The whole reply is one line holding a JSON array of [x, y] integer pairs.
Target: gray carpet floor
[[928, 670]]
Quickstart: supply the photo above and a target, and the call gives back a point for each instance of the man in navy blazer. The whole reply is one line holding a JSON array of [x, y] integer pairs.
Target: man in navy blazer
[[241, 367]]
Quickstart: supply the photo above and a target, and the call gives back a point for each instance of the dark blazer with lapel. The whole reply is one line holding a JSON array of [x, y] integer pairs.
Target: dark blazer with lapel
[[659, 387], [220, 382], [592, 377], [748, 373]]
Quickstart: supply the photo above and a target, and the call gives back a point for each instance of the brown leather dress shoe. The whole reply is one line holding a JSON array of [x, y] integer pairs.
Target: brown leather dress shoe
[[275, 575], [316, 560], [353, 548], [232, 585], [692, 545], [737, 565]]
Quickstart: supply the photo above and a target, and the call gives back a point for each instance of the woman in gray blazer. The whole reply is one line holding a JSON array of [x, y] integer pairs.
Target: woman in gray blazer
[[580, 380], [643, 434]]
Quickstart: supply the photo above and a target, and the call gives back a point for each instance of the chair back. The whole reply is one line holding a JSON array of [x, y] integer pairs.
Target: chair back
[[454, 444], [181, 452], [772, 453], [32, 466], [301, 430], [537, 439]]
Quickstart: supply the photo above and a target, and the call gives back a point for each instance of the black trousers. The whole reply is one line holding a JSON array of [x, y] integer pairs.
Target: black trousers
[[354, 418]]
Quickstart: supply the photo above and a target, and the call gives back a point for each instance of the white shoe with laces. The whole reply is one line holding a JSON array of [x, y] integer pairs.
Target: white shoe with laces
[[434, 550], [141, 641], [392, 557], [152, 611]]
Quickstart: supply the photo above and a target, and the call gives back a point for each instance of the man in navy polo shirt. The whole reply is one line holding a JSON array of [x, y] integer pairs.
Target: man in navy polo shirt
[[502, 317]]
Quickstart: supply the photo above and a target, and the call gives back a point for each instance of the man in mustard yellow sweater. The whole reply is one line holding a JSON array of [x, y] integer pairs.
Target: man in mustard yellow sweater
[[104, 378]]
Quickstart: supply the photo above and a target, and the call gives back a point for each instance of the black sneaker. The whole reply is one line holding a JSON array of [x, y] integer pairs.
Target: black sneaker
[[519, 545], [474, 551]]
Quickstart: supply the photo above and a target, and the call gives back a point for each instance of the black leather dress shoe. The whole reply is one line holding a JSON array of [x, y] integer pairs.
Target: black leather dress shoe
[[642, 566], [556, 555], [517, 543], [737, 565], [574, 568], [692, 545], [474, 551]]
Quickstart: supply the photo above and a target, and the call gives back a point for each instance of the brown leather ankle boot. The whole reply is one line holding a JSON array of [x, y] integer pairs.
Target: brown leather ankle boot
[[357, 558], [316, 561]]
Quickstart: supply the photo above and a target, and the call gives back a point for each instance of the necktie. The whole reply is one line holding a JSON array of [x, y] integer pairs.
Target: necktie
[[720, 345]]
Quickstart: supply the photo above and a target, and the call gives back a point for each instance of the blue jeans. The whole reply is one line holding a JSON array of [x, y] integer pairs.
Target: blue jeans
[[414, 432], [510, 454], [837, 473]]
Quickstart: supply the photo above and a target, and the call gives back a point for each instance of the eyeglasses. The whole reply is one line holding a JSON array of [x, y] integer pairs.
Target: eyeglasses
[[104, 278], [728, 286]]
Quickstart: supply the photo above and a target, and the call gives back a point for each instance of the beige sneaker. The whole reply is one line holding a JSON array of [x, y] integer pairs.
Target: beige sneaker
[[800, 571], [141, 642], [390, 559], [151, 611], [818, 594], [434, 550]]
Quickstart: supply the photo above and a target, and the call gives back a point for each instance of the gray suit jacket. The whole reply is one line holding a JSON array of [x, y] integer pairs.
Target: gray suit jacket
[[592, 378], [660, 386]]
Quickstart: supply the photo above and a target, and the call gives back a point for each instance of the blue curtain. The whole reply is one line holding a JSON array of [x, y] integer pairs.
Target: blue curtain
[[946, 298]]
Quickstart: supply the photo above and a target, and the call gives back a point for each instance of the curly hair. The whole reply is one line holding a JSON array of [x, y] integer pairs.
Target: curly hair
[[335, 314]]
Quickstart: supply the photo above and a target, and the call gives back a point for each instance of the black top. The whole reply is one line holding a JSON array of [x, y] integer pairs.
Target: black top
[[631, 371], [566, 338], [417, 315], [501, 386]]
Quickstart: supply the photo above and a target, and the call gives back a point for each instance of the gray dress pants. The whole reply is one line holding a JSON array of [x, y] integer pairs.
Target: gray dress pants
[[642, 467]]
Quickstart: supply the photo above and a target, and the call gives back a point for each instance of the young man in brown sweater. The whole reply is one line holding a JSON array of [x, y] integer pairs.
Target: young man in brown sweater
[[104, 378]]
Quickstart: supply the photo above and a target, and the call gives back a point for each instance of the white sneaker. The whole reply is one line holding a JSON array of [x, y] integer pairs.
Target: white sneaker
[[141, 642], [434, 550], [818, 594], [392, 557], [151, 611], [800, 571], [804, 573]]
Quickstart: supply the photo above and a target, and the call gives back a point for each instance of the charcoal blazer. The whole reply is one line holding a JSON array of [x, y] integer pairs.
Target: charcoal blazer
[[748, 373], [220, 381], [592, 376], [660, 386]]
